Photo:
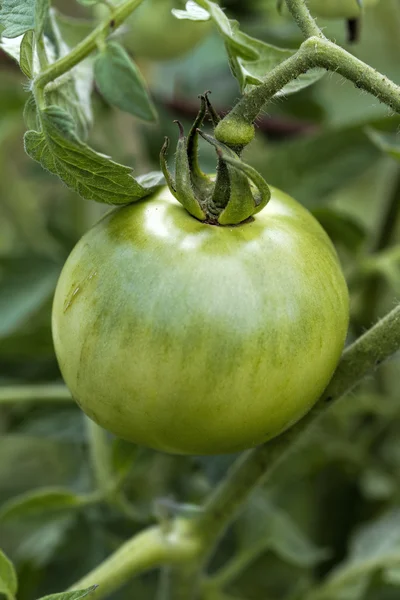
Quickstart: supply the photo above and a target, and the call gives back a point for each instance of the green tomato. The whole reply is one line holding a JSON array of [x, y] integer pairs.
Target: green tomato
[[200, 339], [337, 9], [154, 33]]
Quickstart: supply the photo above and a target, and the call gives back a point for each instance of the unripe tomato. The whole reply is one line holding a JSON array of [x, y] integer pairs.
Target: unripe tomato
[[200, 339], [337, 9], [154, 33]]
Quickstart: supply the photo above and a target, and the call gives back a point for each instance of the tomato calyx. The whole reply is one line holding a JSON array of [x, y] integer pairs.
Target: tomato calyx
[[236, 193]]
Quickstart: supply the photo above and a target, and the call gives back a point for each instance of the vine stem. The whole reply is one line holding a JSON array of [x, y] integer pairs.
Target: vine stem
[[61, 66], [100, 455], [190, 541], [314, 52], [11, 394]]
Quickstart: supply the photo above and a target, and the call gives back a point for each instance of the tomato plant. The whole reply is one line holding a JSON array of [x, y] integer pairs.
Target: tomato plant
[[195, 338]]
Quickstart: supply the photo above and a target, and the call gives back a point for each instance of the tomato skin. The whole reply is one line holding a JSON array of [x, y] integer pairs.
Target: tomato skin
[[154, 33], [199, 339], [337, 9]]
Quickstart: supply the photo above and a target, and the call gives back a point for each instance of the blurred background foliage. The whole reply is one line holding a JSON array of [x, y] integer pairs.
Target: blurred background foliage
[[328, 525]]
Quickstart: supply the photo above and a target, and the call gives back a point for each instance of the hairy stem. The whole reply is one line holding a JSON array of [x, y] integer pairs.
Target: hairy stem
[[303, 18], [314, 52], [86, 46]]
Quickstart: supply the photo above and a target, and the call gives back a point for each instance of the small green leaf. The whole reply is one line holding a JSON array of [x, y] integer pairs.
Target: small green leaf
[[8, 577], [75, 595], [121, 83], [26, 54], [92, 175], [39, 502]]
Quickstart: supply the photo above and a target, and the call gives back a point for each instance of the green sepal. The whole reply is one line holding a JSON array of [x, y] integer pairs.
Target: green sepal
[[183, 183], [243, 201]]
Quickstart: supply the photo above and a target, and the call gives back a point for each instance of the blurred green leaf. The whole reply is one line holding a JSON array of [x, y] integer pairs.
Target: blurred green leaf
[[343, 229], [92, 175], [29, 462], [42, 501], [310, 168], [388, 143], [26, 284], [8, 577], [121, 83], [266, 524], [376, 546]]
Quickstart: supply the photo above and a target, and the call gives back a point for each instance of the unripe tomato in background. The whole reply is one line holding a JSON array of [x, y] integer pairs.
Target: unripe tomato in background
[[338, 9], [152, 32], [194, 338]]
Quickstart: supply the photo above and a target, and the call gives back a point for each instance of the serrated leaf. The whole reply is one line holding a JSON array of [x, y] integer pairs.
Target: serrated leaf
[[92, 175], [26, 54], [74, 595], [151, 180], [121, 83], [8, 577], [19, 17], [39, 502]]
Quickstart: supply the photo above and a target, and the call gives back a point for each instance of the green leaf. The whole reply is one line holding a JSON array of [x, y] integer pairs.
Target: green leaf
[[8, 577], [26, 284], [374, 547], [75, 595], [343, 229], [19, 17], [387, 142], [312, 167], [92, 175], [266, 526], [250, 73], [30, 113], [42, 501], [121, 83], [26, 54]]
